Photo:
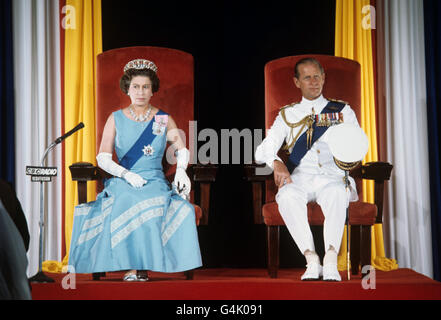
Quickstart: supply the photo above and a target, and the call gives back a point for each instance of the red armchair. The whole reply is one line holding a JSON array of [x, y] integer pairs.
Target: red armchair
[[342, 82], [175, 96]]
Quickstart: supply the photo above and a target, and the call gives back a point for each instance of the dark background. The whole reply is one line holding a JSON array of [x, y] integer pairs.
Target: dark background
[[230, 42]]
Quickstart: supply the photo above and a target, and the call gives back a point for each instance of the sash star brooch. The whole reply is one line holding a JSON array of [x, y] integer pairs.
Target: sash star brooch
[[148, 150]]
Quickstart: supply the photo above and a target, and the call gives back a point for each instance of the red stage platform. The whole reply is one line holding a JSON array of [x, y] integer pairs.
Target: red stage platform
[[240, 284]]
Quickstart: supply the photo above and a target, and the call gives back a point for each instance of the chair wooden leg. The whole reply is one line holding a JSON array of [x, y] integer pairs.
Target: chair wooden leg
[[189, 274], [273, 250], [82, 192], [365, 248], [97, 275], [355, 248]]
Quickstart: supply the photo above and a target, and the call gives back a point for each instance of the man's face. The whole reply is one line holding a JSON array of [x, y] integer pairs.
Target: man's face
[[310, 81]]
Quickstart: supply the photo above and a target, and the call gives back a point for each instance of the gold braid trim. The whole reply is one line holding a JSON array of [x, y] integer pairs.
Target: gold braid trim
[[335, 100], [306, 121], [347, 166]]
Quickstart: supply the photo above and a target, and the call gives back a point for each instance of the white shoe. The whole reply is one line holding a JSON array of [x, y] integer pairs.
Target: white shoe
[[330, 272], [313, 272]]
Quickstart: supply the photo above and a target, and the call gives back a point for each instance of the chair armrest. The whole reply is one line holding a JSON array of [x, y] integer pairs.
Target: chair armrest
[[83, 171], [204, 175], [203, 172], [257, 178], [379, 172], [255, 173]]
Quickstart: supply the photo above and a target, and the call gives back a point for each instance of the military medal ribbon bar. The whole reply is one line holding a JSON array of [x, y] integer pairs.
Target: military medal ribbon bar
[[328, 119]]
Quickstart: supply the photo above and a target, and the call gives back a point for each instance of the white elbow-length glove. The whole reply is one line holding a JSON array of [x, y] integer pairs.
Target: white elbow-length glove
[[105, 162], [182, 181]]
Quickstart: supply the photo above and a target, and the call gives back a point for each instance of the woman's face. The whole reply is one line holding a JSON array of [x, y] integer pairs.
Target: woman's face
[[140, 91]]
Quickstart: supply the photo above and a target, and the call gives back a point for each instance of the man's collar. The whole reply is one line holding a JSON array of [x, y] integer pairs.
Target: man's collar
[[318, 104], [316, 101]]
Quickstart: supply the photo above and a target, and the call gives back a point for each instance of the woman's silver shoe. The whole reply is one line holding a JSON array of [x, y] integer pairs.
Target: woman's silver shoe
[[130, 277], [142, 275]]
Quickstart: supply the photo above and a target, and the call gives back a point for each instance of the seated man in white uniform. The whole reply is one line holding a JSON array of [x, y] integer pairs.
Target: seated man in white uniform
[[310, 174]]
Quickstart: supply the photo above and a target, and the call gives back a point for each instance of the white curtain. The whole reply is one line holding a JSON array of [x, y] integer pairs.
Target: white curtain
[[38, 117], [407, 227]]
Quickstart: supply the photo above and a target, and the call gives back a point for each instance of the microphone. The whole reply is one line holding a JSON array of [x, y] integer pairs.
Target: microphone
[[64, 136]]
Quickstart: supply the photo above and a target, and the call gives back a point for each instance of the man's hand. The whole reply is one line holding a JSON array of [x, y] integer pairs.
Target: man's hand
[[281, 174]]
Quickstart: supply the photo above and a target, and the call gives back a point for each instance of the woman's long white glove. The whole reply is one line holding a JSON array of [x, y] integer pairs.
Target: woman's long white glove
[[134, 179], [105, 162], [182, 181]]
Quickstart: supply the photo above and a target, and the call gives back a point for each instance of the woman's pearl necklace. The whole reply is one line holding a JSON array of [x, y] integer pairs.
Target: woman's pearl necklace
[[140, 118]]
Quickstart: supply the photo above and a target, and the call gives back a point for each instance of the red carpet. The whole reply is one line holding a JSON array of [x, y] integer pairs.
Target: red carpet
[[241, 284]]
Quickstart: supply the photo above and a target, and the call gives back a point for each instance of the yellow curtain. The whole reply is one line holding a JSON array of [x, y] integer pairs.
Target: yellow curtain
[[353, 40], [83, 42]]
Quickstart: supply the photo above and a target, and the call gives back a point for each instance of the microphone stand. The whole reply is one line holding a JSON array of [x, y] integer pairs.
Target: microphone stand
[[40, 276]]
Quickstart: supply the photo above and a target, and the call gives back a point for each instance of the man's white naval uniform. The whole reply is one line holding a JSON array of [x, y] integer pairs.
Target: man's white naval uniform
[[316, 178]]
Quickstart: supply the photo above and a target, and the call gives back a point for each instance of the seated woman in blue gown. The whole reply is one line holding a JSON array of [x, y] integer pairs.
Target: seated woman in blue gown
[[139, 221]]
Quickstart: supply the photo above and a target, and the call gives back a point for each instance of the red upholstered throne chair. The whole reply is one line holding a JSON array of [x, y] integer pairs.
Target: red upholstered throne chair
[[175, 96], [342, 82]]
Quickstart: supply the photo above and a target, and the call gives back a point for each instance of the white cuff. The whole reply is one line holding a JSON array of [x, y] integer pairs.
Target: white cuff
[[270, 163], [182, 158]]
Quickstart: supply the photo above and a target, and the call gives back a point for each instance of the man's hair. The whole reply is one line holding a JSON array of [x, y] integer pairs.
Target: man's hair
[[305, 61]]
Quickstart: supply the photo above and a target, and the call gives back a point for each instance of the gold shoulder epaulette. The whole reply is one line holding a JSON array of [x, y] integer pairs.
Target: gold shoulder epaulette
[[289, 105], [336, 100]]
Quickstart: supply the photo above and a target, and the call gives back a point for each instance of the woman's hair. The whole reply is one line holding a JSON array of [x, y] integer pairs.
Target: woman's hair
[[124, 82]]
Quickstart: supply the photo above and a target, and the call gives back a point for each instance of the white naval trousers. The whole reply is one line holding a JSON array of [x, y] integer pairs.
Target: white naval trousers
[[329, 192]]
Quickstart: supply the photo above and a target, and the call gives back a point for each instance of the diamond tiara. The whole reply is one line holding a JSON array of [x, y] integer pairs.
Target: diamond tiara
[[140, 64]]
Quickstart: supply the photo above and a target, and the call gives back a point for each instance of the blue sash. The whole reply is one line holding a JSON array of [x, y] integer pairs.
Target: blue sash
[[301, 146], [135, 152]]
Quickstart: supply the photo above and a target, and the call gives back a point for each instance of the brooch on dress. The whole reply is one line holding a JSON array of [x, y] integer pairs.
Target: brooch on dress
[[148, 150], [160, 124]]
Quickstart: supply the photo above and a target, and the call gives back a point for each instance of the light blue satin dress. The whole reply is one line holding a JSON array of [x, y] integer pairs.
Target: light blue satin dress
[[147, 228]]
